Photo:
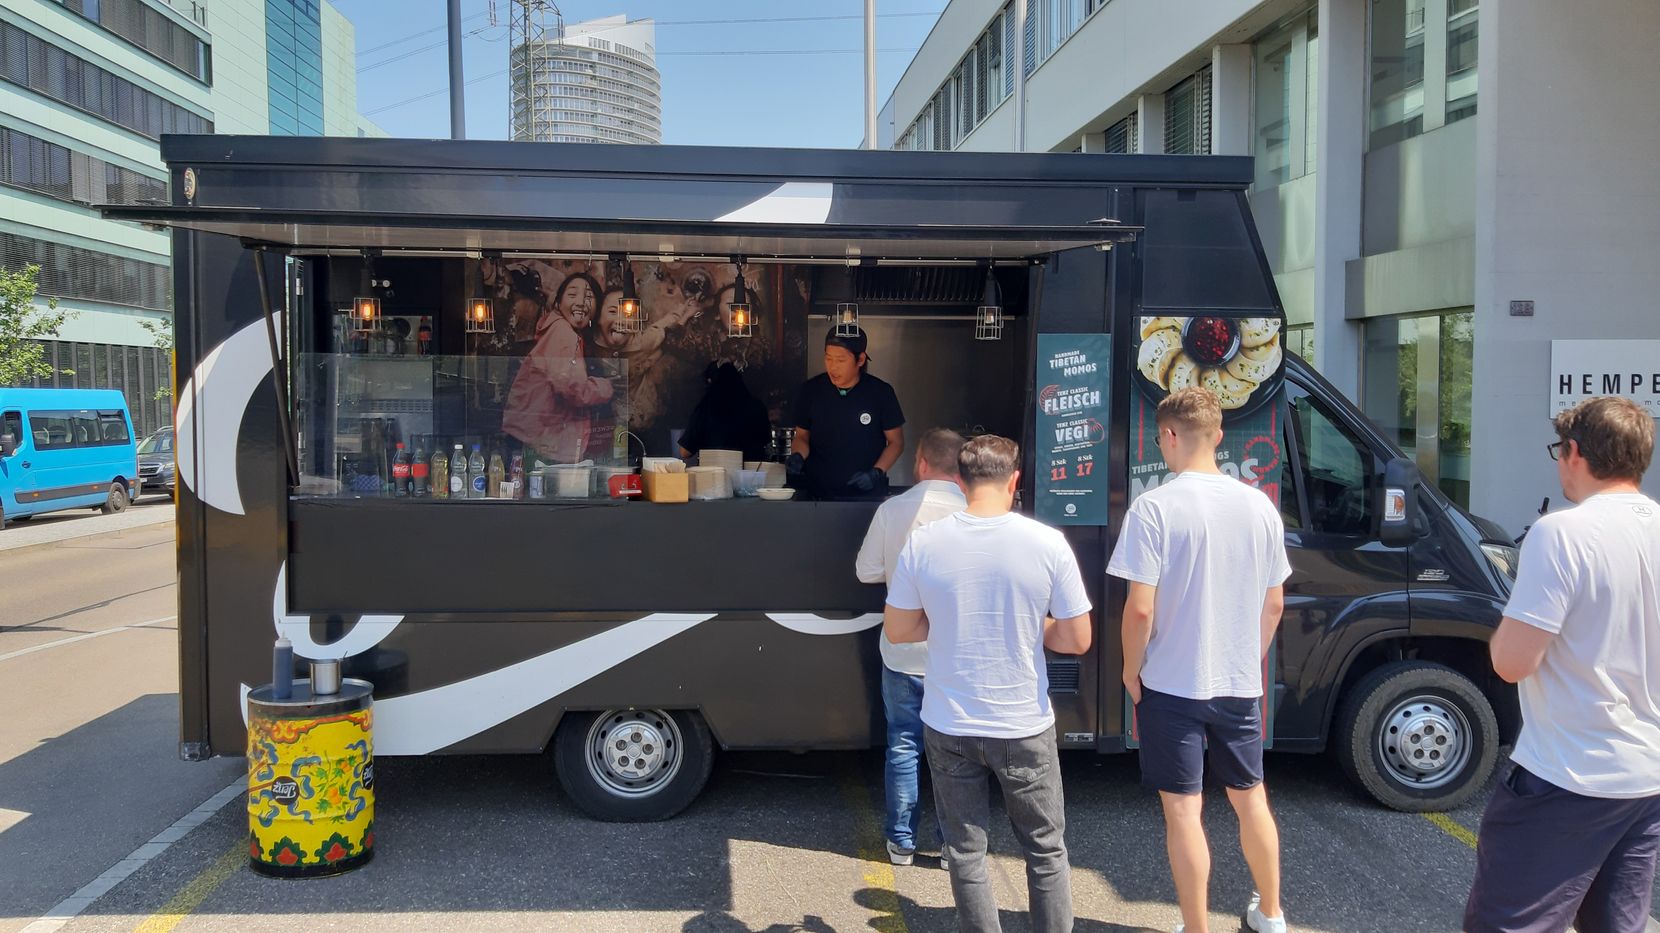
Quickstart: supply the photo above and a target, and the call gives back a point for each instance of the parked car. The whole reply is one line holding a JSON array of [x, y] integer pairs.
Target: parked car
[[64, 449], [156, 466]]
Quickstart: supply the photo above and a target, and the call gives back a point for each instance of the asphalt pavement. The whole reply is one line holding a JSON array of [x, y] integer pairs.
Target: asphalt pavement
[[91, 787]]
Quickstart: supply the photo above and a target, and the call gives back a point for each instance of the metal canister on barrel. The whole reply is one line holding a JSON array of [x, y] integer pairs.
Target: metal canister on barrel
[[311, 780]]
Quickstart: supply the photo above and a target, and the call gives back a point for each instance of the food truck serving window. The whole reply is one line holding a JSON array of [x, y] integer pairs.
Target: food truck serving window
[[513, 378]]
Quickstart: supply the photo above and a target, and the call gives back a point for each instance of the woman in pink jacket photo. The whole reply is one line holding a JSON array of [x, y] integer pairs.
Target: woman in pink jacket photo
[[550, 404]]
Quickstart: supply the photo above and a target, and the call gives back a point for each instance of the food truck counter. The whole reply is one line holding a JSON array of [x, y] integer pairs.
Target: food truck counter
[[603, 555]]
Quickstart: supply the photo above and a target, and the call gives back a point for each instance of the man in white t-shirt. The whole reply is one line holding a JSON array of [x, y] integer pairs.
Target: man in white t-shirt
[[935, 495], [989, 589], [1571, 835], [1205, 557]]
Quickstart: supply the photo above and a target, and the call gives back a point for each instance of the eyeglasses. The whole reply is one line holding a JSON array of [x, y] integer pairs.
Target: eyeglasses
[[1556, 450]]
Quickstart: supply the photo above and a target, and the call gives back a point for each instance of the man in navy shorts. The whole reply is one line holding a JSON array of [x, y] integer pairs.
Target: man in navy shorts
[[1205, 557], [1571, 834]]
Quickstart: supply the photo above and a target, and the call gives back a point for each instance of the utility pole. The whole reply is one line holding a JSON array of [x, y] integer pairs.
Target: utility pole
[[870, 74], [1020, 14], [458, 88]]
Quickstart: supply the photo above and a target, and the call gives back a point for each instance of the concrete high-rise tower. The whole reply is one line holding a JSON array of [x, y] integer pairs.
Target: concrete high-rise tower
[[593, 82]]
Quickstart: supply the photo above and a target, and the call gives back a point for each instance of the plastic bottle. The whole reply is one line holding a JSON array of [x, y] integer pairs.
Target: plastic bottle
[[282, 669], [516, 473], [423, 344], [498, 472], [478, 483], [458, 474], [440, 480], [401, 484], [419, 468]]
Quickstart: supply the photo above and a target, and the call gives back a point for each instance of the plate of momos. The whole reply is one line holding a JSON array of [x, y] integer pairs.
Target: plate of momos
[[1239, 359]]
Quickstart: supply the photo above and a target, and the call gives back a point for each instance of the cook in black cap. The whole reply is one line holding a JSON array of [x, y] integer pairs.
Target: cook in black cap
[[848, 426]]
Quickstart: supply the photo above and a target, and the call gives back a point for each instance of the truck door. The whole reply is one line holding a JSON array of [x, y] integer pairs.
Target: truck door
[[1346, 588]]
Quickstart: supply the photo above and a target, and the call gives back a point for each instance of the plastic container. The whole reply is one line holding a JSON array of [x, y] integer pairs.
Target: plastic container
[[748, 483], [568, 481], [600, 488]]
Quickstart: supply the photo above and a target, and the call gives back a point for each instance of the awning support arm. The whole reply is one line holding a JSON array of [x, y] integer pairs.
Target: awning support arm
[[290, 453]]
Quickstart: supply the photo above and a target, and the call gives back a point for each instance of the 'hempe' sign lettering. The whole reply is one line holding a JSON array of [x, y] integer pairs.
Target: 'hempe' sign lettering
[[1582, 369], [1071, 460]]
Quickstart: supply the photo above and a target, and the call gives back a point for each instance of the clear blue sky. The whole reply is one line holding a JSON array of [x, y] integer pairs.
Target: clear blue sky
[[795, 81]]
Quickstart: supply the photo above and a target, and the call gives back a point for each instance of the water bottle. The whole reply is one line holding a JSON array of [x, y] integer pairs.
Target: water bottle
[[479, 483], [458, 474]]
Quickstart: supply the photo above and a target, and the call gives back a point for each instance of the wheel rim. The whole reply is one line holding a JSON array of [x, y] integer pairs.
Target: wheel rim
[[633, 753], [1425, 742], [117, 497]]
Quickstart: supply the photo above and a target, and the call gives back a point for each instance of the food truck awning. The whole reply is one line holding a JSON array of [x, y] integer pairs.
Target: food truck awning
[[312, 232]]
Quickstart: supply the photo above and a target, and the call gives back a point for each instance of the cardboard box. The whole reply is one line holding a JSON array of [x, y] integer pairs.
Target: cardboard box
[[667, 487]]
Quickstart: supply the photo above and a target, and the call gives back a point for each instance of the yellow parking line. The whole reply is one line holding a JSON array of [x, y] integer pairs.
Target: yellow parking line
[[193, 894], [873, 852], [1449, 826]]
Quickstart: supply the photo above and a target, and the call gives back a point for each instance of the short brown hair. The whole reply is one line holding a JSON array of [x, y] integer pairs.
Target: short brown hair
[[941, 447], [1614, 435], [1190, 410], [988, 459]]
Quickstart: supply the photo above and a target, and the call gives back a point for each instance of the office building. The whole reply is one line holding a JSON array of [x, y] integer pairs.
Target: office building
[[87, 88], [593, 82], [1446, 188]]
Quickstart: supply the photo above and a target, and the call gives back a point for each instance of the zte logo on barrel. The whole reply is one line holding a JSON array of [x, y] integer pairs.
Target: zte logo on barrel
[[285, 790], [369, 775]]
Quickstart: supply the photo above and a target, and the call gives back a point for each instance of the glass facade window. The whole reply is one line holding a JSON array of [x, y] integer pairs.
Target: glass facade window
[[32, 62], [1397, 68], [1462, 34], [1418, 378], [1286, 81], [51, 169], [73, 272], [1187, 116], [294, 66], [151, 30]]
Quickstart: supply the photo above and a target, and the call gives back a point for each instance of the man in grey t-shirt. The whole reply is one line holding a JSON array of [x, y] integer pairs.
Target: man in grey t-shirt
[[989, 589], [1572, 833]]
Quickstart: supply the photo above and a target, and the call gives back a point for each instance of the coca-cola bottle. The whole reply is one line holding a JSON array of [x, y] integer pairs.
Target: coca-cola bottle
[[418, 468], [423, 344], [401, 485]]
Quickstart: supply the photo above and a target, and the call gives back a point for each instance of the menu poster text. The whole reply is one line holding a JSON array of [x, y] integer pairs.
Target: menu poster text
[[1073, 390]]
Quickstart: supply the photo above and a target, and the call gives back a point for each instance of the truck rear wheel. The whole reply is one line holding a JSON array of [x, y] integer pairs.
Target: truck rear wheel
[[633, 765], [1418, 737]]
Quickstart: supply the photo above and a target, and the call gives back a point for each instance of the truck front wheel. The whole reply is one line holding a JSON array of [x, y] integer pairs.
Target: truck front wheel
[[1418, 737], [633, 765]]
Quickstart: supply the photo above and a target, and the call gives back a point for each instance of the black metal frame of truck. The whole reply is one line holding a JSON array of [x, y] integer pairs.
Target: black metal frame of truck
[[1383, 642]]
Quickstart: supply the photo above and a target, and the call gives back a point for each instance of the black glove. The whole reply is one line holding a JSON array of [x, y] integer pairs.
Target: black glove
[[795, 463], [866, 480]]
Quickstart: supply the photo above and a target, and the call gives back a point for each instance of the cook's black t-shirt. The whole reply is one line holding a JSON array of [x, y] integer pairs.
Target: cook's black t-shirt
[[844, 429]]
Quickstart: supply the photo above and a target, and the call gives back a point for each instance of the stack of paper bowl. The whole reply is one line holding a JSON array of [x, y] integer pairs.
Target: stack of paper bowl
[[729, 460]]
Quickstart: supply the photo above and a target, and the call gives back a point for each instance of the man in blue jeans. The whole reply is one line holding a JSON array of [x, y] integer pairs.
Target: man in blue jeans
[[989, 589], [935, 495]]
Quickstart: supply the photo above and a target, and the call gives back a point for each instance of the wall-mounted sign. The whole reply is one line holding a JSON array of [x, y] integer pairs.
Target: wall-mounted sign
[[1583, 369], [1072, 413]]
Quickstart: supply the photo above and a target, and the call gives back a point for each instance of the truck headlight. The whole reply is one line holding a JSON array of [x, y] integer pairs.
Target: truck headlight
[[1504, 556]]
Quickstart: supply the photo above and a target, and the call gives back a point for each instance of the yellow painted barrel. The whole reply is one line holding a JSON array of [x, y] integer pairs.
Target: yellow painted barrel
[[311, 781]]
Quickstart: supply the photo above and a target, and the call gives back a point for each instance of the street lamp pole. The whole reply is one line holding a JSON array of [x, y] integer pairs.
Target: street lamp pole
[[458, 107], [870, 74]]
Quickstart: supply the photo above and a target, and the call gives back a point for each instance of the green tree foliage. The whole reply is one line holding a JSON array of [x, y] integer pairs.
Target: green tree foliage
[[162, 331], [24, 327]]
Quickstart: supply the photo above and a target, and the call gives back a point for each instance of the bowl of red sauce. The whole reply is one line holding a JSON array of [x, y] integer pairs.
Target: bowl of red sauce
[[1211, 341]]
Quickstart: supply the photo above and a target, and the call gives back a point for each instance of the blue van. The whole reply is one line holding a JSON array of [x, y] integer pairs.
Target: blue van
[[65, 449]]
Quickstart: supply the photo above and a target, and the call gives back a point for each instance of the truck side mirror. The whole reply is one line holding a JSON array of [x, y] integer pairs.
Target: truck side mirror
[[1399, 516], [8, 444]]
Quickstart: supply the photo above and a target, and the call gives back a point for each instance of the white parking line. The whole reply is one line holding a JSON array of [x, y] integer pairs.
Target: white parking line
[[75, 638], [74, 904]]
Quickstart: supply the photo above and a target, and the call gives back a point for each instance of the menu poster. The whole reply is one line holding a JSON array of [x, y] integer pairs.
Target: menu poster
[[1073, 389]]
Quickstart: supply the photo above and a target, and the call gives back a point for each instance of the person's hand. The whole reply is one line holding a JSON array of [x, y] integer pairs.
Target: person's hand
[[795, 463], [866, 480], [1132, 684]]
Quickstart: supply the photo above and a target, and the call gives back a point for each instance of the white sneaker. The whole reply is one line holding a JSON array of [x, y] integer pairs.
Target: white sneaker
[[1180, 928], [1257, 922], [899, 856]]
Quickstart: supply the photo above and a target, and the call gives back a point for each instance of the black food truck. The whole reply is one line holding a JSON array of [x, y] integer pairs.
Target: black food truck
[[433, 393]]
